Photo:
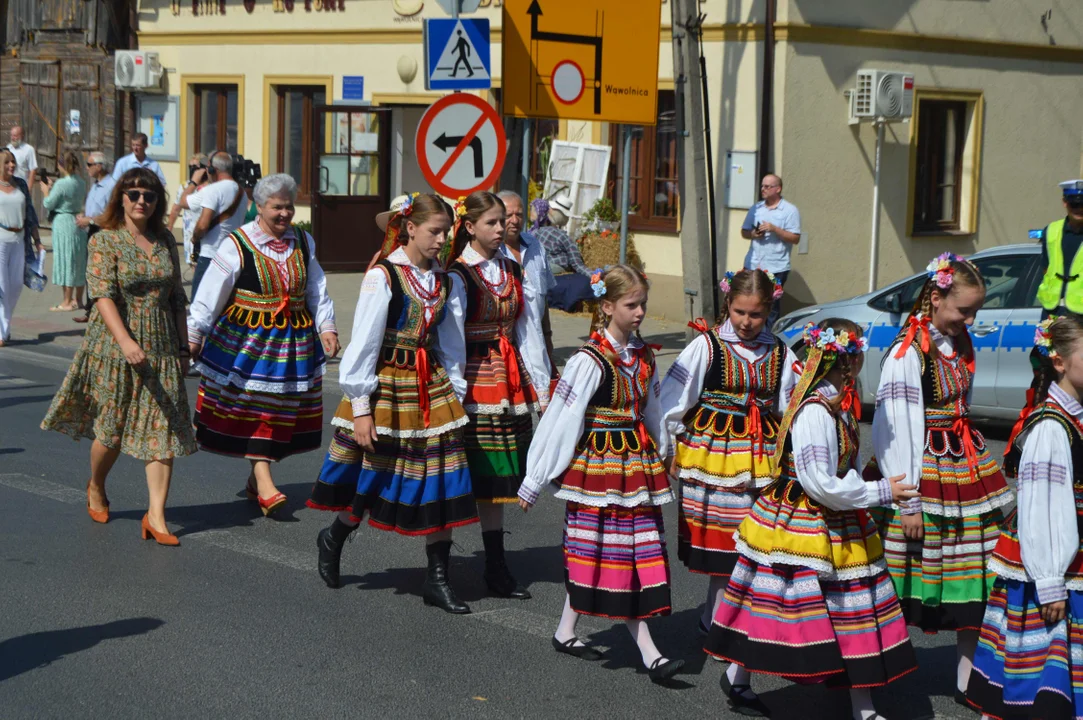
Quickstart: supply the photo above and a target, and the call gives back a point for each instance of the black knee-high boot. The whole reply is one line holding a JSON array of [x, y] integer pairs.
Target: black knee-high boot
[[437, 590], [330, 541], [497, 575]]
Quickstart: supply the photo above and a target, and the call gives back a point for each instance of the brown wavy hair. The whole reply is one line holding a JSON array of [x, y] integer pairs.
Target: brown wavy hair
[[964, 274], [113, 216], [477, 204]]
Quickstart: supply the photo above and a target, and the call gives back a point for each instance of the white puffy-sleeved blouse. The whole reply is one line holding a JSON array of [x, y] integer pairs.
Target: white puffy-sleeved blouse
[[494, 272], [815, 441], [683, 384], [216, 287], [1047, 515], [357, 371], [562, 425]]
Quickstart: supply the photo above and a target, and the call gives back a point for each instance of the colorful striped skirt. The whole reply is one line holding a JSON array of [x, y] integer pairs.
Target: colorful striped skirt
[[258, 425], [710, 515], [720, 446], [411, 486], [496, 447], [1024, 668], [943, 581], [612, 467], [615, 561], [788, 621]]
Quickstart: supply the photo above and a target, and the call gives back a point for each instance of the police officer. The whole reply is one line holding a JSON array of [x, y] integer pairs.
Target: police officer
[[1061, 290]]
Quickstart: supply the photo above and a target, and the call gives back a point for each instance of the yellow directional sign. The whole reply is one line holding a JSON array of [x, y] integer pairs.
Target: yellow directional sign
[[581, 59]]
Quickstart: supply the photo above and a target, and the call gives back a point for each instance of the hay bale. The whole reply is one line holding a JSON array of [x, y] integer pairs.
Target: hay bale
[[601, 249]]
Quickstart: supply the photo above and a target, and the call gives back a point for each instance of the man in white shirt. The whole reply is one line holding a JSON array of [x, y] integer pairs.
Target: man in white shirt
[[222, 205], [774, 227], [138, 158], [538, 280], [26, 159]]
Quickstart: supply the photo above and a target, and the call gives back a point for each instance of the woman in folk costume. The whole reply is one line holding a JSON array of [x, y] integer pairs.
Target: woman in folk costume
[[261, 325], [397, 453], [810, 598], [1027, 664], [594, 443], [720, 399], [938, 545], [489, 319]]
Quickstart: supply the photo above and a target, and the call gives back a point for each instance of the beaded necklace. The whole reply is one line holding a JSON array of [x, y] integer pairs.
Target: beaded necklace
[[424, 295], [501, 288]]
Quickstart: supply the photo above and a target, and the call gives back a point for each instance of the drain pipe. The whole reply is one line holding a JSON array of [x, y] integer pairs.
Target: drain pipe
[[767, 90]]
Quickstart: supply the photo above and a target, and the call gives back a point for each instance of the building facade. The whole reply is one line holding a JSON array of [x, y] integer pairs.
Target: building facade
[[996, 122]]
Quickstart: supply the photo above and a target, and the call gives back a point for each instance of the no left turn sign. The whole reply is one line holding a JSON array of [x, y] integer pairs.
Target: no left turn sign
[[460, 145]]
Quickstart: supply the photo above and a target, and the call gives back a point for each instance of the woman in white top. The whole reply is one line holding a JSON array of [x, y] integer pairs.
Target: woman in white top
[[17, 223]]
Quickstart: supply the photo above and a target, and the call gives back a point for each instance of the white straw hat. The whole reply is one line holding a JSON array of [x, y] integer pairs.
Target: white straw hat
[[383, 218]]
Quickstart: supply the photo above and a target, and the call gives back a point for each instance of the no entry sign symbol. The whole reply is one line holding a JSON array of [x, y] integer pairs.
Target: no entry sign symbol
[[460, 145]]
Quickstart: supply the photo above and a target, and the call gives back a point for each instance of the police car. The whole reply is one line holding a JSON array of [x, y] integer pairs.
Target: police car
[[1003, 331]]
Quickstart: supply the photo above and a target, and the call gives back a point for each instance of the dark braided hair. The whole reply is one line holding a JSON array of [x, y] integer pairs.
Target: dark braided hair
[[747, 282]]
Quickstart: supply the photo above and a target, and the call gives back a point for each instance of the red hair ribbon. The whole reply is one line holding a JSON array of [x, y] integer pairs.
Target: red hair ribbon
[[851, 403], [699, 324], [916, 327], [961, 427], [1018, 427], [655, 346]]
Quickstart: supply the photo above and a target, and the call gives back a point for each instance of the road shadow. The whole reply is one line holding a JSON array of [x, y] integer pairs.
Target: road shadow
[[674, 635], [24, 399], [11, 451], [241, 512], [530, 566], [48, 337], [29, 652]]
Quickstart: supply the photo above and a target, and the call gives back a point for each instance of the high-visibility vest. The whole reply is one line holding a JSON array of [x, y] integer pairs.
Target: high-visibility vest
[[1054, 282]]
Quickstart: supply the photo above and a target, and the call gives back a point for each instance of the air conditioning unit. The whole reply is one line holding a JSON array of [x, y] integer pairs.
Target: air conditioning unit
[[137, 70], [882, 94]]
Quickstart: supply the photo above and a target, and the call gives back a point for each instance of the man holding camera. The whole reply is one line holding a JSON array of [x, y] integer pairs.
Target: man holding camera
[[221, 204], [138, 158], [774, 227]]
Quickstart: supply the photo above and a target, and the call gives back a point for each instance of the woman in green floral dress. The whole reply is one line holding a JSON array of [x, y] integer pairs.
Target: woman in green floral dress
[[64, 200], [125, 388]]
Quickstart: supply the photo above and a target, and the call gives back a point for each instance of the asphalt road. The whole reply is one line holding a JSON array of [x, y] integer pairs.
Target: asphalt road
[[235, 622]]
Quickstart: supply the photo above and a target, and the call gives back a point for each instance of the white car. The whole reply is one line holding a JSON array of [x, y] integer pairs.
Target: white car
[[1003, 331]]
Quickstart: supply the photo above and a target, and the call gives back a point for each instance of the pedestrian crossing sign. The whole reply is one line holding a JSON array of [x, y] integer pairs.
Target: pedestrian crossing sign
[[457, 55]]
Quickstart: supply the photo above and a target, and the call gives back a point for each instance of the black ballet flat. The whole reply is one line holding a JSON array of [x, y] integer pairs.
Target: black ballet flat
[[660, 671], [739, 703], [583, 652]]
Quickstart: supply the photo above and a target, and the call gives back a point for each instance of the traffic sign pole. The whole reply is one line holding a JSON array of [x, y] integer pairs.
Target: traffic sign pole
[[625, 191], [526, 161]]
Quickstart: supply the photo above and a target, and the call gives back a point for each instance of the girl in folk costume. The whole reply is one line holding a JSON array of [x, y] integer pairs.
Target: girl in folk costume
[[810, 598], [720, 400], [489, 319], [262, 326], [600, 443], [938, 544], [1028, 659], [397, 453]]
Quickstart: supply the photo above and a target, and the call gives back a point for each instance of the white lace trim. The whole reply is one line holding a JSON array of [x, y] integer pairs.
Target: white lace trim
[[275, 388], [936, 508], [1006, 571], [390, 432], [744, 480], [503, 408], [640, 498], [824, 569]]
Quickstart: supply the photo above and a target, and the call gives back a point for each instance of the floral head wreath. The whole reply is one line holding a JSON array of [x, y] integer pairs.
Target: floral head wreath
[[828, 341], [940, 270], [727, 282], [393, 236], [1043, 340], [597, 284]]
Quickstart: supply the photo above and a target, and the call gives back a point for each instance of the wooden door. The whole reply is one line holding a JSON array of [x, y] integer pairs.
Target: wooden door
[[81, 91], [40, 103], [352, 165]]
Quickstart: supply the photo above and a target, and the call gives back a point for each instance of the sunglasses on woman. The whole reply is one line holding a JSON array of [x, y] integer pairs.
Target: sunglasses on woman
[[149, 196]]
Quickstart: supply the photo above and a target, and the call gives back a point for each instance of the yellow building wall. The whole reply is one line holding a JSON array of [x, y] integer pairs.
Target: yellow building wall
[[1030, 140]]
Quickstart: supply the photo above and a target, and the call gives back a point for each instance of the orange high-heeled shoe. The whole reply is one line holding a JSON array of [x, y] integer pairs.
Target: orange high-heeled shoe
[[271, 504], [165, 538], [98, 516]]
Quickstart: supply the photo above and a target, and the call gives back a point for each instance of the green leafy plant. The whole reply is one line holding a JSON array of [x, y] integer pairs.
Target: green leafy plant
[[601, 211], [305, 225]]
